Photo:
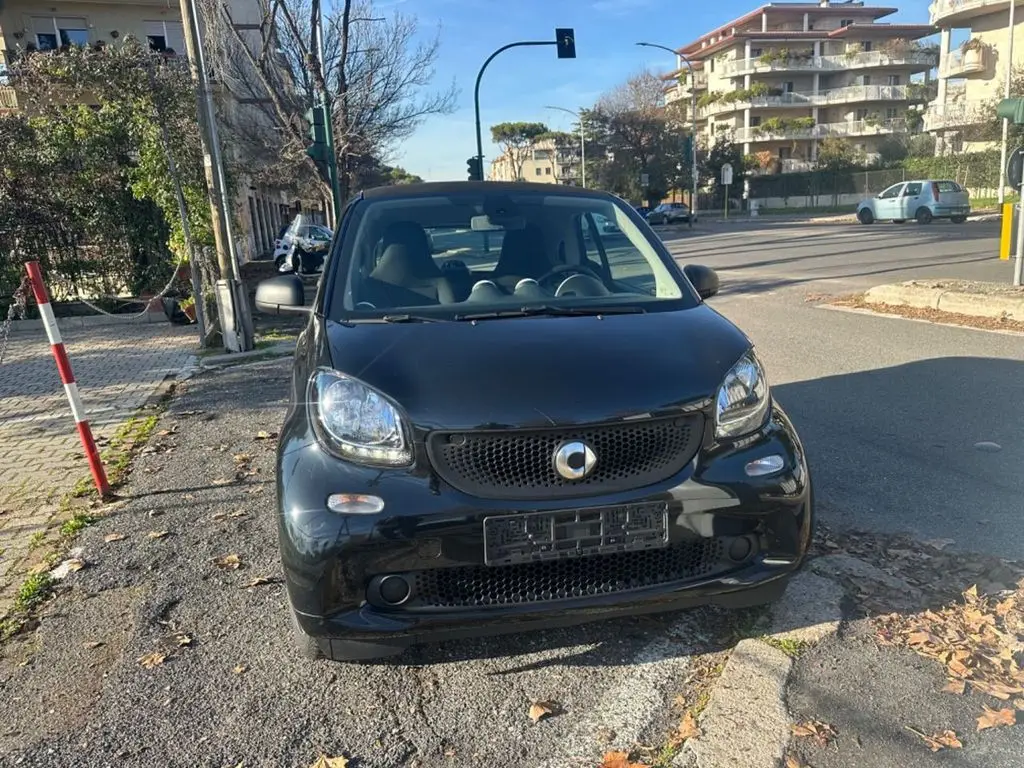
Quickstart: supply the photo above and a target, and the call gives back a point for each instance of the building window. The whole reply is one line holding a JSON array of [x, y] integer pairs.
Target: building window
[[845, 22], [756, 52], [894, 79], [53, 33], [787, 87], [861, 114], [711, 64], [865, 80], [537, 171], [165, 36], [547, 171], [755, 121], [891, 113], [785, 153], [866, 46]]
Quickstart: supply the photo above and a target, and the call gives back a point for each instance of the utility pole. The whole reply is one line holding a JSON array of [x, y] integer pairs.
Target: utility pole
[[232, 303], [1006, 123], [324, 105]]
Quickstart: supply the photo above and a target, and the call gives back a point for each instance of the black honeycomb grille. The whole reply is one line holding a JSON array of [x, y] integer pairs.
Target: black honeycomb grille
[[479, 586], [514, 464]]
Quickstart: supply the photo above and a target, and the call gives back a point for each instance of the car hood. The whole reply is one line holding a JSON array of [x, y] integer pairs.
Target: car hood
[[539, 371]]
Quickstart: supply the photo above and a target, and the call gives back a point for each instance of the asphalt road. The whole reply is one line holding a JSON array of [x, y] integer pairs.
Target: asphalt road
[[890, 409]]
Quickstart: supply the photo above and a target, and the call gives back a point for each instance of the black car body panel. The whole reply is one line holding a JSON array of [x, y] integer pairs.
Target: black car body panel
[[725, 536]]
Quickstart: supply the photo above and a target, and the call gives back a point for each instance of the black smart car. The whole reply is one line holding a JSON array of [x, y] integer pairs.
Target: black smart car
[[505, 416]]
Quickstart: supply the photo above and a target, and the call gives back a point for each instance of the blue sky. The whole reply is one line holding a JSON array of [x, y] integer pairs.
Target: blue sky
[[519, 83]]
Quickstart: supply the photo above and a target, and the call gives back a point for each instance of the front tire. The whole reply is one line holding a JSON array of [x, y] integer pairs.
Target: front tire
[[865, 216], [282, 264], [958, 219], [923, 216]]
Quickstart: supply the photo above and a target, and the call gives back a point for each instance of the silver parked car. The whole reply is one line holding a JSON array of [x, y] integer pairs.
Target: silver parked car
[[669, 213], [919, 200]]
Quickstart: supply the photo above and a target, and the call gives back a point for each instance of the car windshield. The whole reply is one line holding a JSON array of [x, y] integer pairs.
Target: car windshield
[[501, 254]]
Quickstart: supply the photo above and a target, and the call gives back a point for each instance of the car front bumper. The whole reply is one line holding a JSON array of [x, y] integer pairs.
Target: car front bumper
[[732, 539]]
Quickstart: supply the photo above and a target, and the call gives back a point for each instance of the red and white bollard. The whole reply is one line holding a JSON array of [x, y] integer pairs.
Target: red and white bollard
[[99, 476]]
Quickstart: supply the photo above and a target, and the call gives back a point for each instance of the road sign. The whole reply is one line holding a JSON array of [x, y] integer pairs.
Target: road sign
[[727, 174], [645, 179], [1015, 167]]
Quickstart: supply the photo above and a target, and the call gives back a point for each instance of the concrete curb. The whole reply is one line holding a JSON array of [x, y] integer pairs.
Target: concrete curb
[[747, 722], [281, 349], [77, 322], [941, 296]]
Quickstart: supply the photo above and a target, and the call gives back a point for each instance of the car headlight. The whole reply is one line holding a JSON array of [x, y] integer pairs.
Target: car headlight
[[356, 421], [743, 399]]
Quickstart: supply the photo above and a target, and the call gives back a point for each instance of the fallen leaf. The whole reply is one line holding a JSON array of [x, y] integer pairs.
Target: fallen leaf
[[619, 760], [240, 669], [157, 534], [153, 659], [93, 644], [242, 458], [218, 515], [330, 762], [223, 481], [260, 581], [182, 639], [792, 762], [75, 563], [688, 729], [955, 687], [228, 562], [113, 537], [264, 435], [239, 513], [1005, 606], [997, 690], [921, 638], [1019, 704], [971, 594], [541, 709], [993, 718], [822, 733], [938, 740]]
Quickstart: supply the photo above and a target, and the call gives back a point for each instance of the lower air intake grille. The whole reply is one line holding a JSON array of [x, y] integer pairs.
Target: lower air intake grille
[[475, 586]]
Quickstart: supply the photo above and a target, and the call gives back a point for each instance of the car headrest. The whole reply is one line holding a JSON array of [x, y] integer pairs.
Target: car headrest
[[522, 253], [397, 266], [413, 238]]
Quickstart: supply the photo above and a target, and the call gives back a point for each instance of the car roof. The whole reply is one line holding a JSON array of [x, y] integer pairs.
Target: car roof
[[456, 187]]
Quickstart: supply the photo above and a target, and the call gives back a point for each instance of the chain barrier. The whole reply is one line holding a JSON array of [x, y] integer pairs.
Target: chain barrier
[[147, 302], [16, 311]]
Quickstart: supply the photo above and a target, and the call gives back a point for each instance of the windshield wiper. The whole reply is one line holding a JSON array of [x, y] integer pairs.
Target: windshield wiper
[[553, 312], [405, 317]]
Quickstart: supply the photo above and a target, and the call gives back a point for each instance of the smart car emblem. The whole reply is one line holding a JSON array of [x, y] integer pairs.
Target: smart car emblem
[[575, 460]]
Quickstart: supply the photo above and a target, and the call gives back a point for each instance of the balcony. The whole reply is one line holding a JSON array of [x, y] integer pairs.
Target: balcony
[[957, 114], [966, 64], [921, 60], [850, 94], [954, 13], [822, 130], [8, 98]]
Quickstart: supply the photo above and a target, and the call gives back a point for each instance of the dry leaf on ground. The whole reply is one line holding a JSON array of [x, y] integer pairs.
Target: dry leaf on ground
[[240, 669], [821, 732], [619, 760], [330, 762], [688, 729], [153, 659], [242, 458], [260, 581], [93, 644], [541, 709], [938, 740], [264, 435], [157, 534], [75, 563], [182, 639], [955, 687], [113, 537], [228, 562], [993, 718], [223, 480], [792, 762], [238, 513]]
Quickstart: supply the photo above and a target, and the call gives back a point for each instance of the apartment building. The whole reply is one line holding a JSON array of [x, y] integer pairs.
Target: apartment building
[[972, 76], [33, 26], [543, 163], [787, 75]]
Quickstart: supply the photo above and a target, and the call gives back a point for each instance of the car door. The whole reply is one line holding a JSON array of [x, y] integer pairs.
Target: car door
[[910, 200], [886, 205]]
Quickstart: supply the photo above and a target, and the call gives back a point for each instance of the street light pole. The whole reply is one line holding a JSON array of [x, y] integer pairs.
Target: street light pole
[[693, 125], [583, 145], [1006, 122]]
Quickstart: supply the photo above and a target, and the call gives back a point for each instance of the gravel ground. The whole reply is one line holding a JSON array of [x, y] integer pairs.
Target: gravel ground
[[930, 315], [75, 692]]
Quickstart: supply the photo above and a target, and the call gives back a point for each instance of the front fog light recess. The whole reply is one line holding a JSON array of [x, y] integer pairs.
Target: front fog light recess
[[357, 422], [741, 406]]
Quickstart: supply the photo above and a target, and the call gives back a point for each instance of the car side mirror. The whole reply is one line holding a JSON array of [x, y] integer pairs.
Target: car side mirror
[[704, 279], [281, 295]]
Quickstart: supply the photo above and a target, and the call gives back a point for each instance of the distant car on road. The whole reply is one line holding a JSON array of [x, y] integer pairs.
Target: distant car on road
[[669, 213], [923, 201], [302, 248], [555, 432]]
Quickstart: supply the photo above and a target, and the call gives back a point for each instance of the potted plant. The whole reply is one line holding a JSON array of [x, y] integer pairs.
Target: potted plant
[[188, 308], [972, 52]]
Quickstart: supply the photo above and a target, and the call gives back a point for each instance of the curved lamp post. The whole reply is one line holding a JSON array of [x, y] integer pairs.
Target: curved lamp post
[[583, 148], [693, 124]]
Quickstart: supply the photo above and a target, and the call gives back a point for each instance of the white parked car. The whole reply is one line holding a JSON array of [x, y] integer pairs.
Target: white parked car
[[312, 240], [922, 200]]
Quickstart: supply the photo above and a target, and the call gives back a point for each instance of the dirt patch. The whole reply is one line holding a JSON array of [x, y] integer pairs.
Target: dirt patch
[[931, 315]]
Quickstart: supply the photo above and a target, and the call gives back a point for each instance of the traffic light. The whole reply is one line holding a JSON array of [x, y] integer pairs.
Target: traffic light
[[474, 169], [317, 135], [565, 39], [1012, 110]]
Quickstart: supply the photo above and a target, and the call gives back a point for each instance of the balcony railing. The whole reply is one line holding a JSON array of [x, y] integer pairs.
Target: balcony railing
[[944, 12], [822, 130], [845, 95], [833, 63], [8, 98], [955, 114]]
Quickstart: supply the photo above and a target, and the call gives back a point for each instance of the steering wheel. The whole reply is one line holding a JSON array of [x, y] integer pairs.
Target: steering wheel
[[561, 269]]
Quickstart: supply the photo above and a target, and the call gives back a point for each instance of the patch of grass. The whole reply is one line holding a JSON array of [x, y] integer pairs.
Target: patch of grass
[[34, 590], [74, 524], [788, 645], [36, 539]]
